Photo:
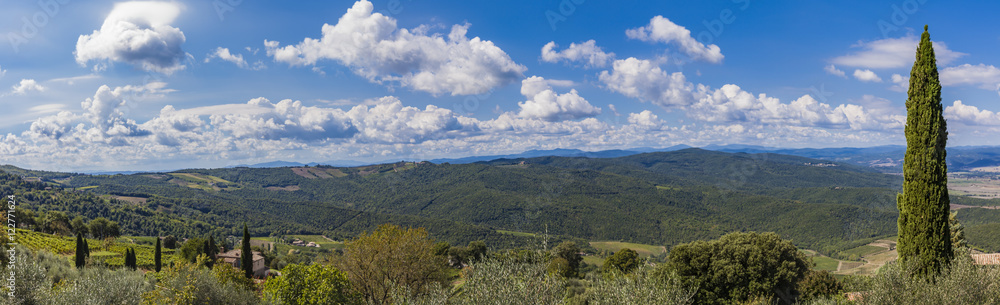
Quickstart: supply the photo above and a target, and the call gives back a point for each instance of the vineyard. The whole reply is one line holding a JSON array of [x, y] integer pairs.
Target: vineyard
[[35, 241], [111, 252]]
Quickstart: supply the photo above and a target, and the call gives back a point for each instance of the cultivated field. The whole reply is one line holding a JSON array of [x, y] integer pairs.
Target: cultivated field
[[642, 249], [978, 187]]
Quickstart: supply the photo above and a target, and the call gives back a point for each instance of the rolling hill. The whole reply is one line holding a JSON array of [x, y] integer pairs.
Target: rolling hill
[[659, 198]]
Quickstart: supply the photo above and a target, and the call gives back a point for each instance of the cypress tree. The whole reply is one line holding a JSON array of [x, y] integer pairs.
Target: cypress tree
[[213, 248], [81, 254], [128, 258], [924, 235], [86, 248], [246, 257], [156, 256]]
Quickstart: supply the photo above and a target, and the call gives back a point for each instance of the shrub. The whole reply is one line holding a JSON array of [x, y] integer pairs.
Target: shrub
[[103, 286], [391, 256], [641, 287], [960, 283], [189, 283], [32, 282], [309, 284], [624, 261], [510, 282], [818, 284], [739, 267]]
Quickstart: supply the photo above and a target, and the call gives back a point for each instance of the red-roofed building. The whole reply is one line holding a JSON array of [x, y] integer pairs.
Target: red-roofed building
[[232, 257]]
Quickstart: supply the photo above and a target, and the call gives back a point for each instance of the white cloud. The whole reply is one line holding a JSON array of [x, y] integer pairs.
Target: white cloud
[[46, 108], [285, 120], [25, 86], [893, 53], [108, 123], [375, 48], [587, 53], [984, 76], [732, 104], [73, 79], [645, 119], [663, 30], [866, 76], [545, 104], [390, 122], [54, 126], [643, 79], [2, 71], [971, 115], [103, 111], [900, 83], [831, 69], [138, 33], [223, 54]]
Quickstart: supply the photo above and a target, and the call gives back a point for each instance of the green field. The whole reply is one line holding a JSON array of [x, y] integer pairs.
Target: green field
[[863, 251], [318, 239], [593, 260], [822, 262], [200, 181], [825, 263], [515, 233], [643, 249]]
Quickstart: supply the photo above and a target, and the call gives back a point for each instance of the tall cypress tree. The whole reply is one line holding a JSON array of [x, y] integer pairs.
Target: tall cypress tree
[[130, 258], [246, 257], [81, 254], [924, 235], [86, 248], [156, 256]]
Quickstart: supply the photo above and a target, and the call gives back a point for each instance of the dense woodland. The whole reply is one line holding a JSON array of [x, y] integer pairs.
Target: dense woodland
[[523, 221], [654, 198]]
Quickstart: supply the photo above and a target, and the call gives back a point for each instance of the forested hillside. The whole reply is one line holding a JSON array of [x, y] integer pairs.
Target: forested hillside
[[662, 198]]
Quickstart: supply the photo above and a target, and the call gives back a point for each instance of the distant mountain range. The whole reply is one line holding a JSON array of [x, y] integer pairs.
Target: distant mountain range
[[887, 158]]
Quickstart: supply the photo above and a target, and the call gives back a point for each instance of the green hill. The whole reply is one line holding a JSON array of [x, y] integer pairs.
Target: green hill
[[654, 198]]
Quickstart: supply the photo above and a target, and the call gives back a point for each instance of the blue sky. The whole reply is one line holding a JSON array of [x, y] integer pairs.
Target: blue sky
[[105, 85]]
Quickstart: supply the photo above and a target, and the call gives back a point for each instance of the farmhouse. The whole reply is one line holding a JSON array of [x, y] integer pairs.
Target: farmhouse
[[232, 257]]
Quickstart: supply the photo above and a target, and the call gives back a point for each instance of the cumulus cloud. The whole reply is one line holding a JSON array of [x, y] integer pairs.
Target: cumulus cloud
[[54, 126], [866, 76], [900, 83], [285, 120], [645, 119], [663, 30], [224, 54], [138, 33], [831, 69], [107, 122], [545, 104], [643, 79], [383, 121], [25, 86], [375, 48], [732, 104], [971, 115], [586, 52], [103, 110], [893, 53], [984, 76], [391, 122]]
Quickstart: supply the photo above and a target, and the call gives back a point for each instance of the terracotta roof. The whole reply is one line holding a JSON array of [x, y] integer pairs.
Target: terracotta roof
[[236, 253], [986, 259]]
